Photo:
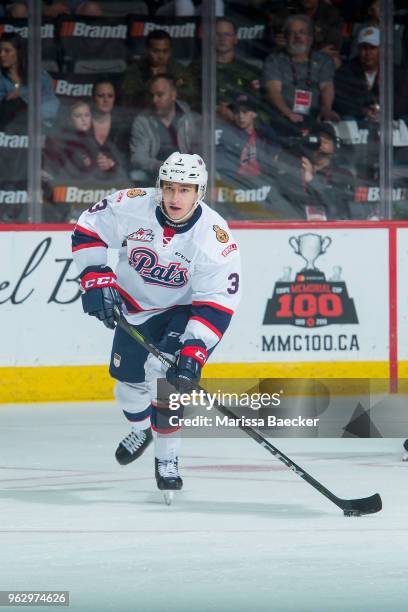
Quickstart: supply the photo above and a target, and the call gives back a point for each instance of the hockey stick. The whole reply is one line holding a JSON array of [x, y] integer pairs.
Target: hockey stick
[[350, 507]]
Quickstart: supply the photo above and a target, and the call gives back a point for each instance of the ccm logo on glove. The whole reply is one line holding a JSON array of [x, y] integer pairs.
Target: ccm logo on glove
[[94, 280], [196, 352]]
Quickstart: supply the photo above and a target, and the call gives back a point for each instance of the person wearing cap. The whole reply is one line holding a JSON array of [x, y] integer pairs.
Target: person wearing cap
[[357, 81], [367, 16], [247, 148], [317, 184]]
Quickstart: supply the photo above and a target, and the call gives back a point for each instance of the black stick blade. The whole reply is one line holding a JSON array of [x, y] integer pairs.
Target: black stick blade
[[358, 507]]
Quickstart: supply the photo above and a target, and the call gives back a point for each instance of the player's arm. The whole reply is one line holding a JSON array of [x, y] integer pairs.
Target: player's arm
[[96, 230], [216, 293]]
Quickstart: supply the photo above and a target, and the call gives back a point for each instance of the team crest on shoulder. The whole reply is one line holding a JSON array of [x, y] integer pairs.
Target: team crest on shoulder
[[134, 193], [144, 235], [220, 234]]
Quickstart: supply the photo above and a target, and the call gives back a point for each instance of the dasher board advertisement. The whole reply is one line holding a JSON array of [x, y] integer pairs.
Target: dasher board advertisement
[[312, 295], [308, 295]]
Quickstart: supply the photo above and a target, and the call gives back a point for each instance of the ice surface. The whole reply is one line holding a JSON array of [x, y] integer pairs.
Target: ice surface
[[244, 534]]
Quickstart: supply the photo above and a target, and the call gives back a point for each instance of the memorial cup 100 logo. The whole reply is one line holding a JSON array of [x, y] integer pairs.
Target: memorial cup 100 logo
[[310, 300]]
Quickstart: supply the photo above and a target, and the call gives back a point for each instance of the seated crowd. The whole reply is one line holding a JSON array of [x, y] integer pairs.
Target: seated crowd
[[282, 148]]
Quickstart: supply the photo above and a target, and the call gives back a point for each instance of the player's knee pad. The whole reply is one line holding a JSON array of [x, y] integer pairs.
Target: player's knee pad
[[132, 396], [134, 401]]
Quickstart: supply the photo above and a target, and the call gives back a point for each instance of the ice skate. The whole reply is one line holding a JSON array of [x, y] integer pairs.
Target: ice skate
[[133, 446], [168, 478]]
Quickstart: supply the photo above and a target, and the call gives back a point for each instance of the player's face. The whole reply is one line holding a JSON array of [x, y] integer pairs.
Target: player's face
[[8, 55], [178, 199], [104, 97], [158, 53], [82, 118]]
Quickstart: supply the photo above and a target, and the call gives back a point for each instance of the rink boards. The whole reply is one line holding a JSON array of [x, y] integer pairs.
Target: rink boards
[[319, 300]]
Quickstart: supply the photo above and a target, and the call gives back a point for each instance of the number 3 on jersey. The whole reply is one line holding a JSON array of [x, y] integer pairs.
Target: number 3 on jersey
[[98, 206], [234, 286]]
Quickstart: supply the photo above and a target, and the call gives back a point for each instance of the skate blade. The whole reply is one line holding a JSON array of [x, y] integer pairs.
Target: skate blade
[[405, 457], [168, 497]]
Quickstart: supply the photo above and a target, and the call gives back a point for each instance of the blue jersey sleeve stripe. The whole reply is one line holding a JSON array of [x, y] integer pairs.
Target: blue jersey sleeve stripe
[[81, 240], [217, 318]]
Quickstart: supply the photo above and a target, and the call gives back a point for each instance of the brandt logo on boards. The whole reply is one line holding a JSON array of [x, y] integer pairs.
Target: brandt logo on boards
[[143, 28]]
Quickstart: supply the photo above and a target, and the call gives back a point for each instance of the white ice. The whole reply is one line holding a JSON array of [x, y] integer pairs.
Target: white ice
[[244, 534]]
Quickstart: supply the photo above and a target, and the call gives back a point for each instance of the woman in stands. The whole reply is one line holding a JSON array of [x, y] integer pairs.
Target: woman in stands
[[110, 130], [74, 155], [14, 86]]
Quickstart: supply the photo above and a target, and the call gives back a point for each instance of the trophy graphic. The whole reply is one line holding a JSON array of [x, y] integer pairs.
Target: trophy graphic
[[310, 247], [310, 300]]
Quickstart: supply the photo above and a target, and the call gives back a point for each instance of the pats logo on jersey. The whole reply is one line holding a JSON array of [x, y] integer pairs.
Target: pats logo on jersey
[[146, 263], [220, 234], [144, 235], [134, 193], [310, 300]]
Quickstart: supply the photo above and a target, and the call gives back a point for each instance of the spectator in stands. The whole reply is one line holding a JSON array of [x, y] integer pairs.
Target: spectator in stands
[[17, 10], [369, 17], [332, 45], [326, 19], [109, 125], [314, 182], [369, 14], [356, 83], [234, 75], [13, 84], [74, 154], [247, 150], [169, 126], [89, 9], [157, 59], [299, 81], [51, 9], [275, 36]]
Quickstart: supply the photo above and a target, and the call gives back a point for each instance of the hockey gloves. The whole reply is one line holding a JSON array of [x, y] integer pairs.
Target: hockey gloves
[[186, 371], [100, 294]]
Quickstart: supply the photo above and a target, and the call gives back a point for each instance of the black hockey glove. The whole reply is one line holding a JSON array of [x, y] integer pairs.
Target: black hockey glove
[[100, 294], [186, 371]]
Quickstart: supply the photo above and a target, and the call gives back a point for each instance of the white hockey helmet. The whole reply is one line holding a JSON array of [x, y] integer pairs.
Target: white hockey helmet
[[185, 168]]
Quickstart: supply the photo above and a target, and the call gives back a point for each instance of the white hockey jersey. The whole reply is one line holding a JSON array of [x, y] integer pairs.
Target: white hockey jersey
[[163, 264]]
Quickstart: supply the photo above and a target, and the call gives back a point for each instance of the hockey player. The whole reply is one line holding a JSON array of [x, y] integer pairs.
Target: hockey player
[[177, 280]]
